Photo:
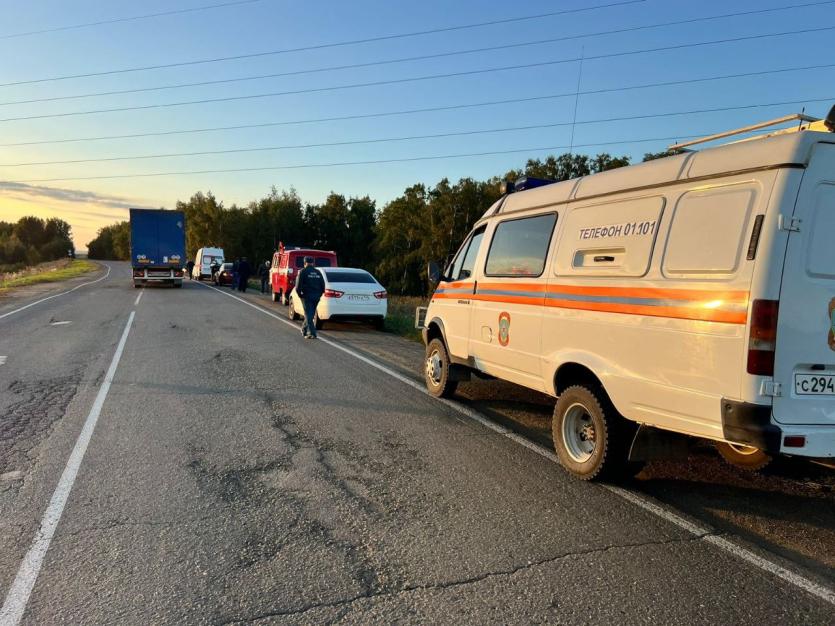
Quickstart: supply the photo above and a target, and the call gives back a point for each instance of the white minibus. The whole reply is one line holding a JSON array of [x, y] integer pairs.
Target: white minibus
[[691, 295]]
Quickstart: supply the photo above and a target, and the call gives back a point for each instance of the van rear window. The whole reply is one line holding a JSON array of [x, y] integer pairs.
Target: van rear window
[[709, 232], [319, 261], [519, 246]]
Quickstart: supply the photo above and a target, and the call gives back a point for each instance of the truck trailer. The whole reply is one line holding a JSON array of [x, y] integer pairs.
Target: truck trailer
[[157, 246]]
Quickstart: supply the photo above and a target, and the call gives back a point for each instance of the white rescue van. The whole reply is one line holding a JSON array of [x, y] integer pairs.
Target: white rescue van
[[694, 294], [203, 262]]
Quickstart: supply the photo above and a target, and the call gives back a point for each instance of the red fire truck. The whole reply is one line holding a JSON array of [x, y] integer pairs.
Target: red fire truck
[[287, 263]]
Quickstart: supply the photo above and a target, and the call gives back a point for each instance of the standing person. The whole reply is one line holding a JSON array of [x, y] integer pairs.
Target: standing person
[[310, 286], [244, 272], [214, 267], [190, 266], [235, 275], [264, 275]]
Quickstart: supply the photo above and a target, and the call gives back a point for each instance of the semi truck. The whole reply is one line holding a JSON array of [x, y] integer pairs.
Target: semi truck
[[157, 246]]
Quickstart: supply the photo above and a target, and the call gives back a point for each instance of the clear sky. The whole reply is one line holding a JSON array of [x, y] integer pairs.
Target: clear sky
[[270, 25]]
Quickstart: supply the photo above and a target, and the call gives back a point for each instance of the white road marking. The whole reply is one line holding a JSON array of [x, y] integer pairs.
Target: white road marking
[[64, 323], [138, 298], [820, 591], [19, 592], [2, 360], [63, 293]]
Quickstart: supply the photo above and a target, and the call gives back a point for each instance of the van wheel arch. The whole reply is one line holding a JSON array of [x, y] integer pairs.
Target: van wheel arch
[[435, 330], [571, 374]]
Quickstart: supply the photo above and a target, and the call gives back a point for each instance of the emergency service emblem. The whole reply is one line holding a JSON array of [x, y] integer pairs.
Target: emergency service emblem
[[504, 328], [831, 338]]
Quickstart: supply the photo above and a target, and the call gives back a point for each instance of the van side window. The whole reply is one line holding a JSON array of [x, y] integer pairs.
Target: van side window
[[464, 263], [610, 239], [709, 232], [468, 265], [519, 246]]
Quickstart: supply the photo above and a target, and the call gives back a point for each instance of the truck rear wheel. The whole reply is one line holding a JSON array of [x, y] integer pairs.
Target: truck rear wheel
[[436, 370], [744, 457], [591, 439]]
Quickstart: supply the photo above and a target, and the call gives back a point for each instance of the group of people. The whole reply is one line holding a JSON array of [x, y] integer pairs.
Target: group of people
[[310, 286]]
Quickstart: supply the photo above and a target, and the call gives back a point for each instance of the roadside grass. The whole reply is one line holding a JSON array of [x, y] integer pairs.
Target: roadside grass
[[401, 316], [52, 271]]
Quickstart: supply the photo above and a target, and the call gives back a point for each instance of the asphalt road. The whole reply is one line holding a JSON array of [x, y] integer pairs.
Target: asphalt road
[[238, 473]]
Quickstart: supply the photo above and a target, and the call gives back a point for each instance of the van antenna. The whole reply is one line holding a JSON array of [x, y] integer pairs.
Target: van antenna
[[577, 98]]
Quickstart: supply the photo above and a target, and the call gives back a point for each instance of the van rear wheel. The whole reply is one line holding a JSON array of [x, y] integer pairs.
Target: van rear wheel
[[436, 370], [591, 439], [275, 296], [744, 457]]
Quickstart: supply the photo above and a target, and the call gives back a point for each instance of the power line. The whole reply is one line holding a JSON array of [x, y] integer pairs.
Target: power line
[[349, 163], [133, 18], [429, 136], [417, 78], [414, 58], [328, 45], [451, 107]]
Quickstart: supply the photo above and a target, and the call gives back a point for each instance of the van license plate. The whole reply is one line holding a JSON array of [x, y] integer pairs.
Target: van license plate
[[814, 384]]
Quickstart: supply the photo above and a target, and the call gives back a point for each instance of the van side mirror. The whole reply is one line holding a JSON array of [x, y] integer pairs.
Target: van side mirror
[[434, 272]]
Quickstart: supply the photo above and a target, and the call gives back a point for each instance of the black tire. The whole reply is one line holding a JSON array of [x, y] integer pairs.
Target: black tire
[[275, 296], [291, 312], [318, 322], [379, 324], [744, 457], [591, 439], [437, 369], [137, 286], [178, 285]]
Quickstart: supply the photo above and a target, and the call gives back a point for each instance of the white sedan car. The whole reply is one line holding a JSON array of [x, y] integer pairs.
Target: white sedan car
[[350, 294]]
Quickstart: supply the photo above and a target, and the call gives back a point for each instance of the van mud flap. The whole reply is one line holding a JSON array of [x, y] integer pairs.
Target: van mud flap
[[655, 444]]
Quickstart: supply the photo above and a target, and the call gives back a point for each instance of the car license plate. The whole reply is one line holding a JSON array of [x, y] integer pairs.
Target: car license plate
[[814, 384], [357, 297]]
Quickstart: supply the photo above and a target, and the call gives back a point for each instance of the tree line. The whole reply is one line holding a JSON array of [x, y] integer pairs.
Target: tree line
[[395, 242], [32, 240]]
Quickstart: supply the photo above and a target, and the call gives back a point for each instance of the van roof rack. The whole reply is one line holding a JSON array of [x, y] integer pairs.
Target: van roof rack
[[812, 123]]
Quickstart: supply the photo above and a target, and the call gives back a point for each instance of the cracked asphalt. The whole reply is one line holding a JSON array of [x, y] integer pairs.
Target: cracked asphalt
[[239, 474]]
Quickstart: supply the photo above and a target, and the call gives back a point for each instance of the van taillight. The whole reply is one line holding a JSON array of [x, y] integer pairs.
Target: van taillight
[[762, 340]]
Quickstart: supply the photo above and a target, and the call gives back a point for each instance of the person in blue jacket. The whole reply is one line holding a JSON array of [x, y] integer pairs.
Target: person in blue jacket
[[310, 286]]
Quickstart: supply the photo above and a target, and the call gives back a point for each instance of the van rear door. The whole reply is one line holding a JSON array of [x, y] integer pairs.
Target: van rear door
[[805, 350]]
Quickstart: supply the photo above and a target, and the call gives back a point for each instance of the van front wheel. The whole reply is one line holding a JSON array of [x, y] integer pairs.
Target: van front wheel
[[745, 457], [436, 370], [590, 437]]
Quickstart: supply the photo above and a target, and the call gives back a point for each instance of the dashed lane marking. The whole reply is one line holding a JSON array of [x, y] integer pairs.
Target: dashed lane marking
[[63, 293], [18, 595], [2, 360], [138, 298], [62, 323], [818, 590]]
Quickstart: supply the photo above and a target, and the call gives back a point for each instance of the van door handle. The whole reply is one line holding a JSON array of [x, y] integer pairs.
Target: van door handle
[[604, 259]]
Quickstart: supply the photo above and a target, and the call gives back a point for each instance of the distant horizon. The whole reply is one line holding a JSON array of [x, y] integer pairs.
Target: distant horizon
[[263, 89]]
